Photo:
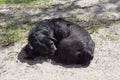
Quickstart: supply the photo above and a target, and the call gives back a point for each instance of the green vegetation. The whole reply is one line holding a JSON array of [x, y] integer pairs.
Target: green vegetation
[[17, 28], [16, 1], [27, 3], [12, 34]]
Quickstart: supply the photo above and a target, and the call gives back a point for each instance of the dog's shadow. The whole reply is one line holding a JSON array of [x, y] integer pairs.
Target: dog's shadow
[[22, 58]]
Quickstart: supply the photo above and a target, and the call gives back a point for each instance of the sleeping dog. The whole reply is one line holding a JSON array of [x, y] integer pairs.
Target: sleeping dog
[[61, 40], [41, 40], [77, 47]]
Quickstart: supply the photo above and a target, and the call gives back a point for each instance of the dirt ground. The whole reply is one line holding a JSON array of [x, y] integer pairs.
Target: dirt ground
[[105, 65]]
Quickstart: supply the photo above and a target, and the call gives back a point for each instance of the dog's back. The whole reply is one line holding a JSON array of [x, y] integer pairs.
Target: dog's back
[[76, 47]]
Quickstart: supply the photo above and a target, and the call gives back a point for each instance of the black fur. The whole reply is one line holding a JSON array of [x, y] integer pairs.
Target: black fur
[[74, 44]]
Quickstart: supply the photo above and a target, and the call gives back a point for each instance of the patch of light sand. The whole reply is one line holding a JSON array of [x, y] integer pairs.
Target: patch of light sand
[[105, 65]]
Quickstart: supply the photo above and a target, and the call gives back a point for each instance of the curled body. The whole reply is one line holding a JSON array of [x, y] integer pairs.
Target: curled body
[[61, 40]]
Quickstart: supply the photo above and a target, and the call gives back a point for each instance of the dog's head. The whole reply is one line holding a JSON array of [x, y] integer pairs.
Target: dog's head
[[42, 43]]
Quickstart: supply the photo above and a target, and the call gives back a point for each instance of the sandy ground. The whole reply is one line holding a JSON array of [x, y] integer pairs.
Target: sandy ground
[[105, 65]]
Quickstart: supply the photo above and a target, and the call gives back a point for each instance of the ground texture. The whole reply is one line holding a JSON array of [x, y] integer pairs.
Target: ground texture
[[106, 62]]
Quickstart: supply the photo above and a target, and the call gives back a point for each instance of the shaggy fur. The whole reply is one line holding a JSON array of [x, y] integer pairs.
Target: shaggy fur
[[67, 42]]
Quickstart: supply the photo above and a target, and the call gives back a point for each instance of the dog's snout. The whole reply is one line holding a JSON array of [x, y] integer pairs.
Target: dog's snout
[[53, 47]]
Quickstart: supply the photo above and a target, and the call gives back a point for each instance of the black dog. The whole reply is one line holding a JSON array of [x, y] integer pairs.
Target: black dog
[[44, 37], [74, 44], [41, 40]]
